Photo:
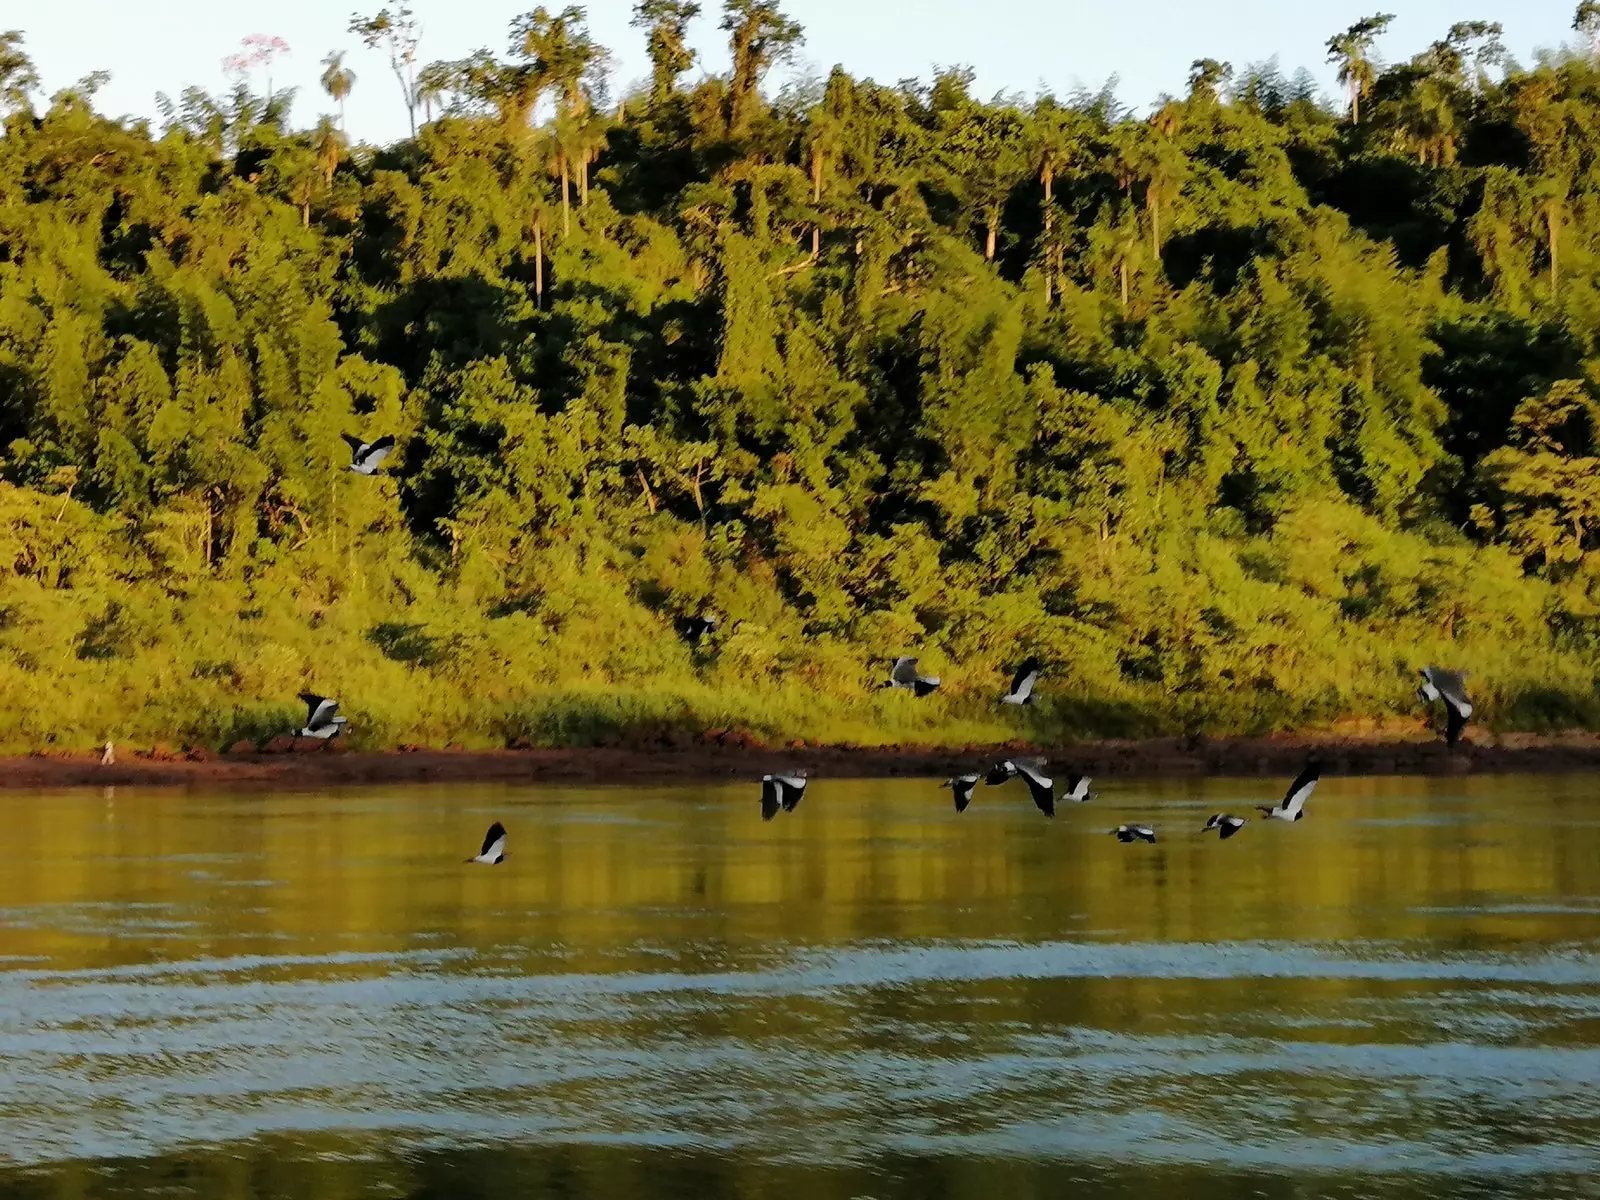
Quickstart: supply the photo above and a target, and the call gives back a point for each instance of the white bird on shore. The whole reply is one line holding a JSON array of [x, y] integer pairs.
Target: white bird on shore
[[1134, 833], [781, 791], [1225, 824], [1022, 683], [904, 675], [1077, 789], [1449, 686], [494, 847], [322, 721], [108, 755], [961, 787], [1293, 805], [367, 457]]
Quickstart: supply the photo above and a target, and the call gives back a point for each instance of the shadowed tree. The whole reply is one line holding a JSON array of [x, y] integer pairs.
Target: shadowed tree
[[397, 34], [337, 80], [759, 36], [670, 56], [1352, 52]]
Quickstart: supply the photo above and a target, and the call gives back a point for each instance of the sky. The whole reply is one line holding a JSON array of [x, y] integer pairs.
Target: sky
[[1028, 46]]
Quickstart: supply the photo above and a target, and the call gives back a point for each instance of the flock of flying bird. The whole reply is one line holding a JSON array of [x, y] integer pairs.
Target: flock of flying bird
[[783, 792]]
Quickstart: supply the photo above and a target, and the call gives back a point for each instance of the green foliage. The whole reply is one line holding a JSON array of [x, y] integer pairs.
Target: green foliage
[[1235, 416]]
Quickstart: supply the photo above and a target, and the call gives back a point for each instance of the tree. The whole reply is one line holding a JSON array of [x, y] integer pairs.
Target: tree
[[759, 36], [1207, 78], [562, 52], [17, 76], [670, 56], [398, 35], [1587, 22], [1352, 51], [337, 80], [257, 50]]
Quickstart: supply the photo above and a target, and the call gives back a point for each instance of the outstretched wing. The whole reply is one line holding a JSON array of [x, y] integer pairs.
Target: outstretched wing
[[1040, 787], [1228, 828], [904, 672], [1300, 790], [961, 787], [1144, 833], [1022, 682], [769, 798], [1455, 720], [924, 686], [378, 451], [1003, 770], [494, 842], [356, 445], [791, 790], [314, 708]]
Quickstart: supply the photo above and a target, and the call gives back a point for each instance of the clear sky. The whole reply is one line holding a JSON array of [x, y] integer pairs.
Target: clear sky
[[1014, 45]]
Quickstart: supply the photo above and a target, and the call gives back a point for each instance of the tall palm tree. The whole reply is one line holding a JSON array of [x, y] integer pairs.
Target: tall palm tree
[[17, 76], [337, 80], [670, 56], [563, 53], [759, 35], [1352, 51]]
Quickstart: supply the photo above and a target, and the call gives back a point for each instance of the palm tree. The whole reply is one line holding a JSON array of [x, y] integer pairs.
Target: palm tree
[[670, 55], [17, 76], [329, 148], [1352, 51], [1587, 22], [398, 34], [759, 35], [562, 52], [337, 80]]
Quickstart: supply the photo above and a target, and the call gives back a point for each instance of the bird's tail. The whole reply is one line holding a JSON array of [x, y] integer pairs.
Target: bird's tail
[[1264, 810]]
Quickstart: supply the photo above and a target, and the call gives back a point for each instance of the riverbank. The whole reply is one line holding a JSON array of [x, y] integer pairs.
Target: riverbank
[[310, 765]]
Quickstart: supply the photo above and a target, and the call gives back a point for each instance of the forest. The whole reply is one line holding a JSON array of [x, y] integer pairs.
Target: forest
[[1235, 410]]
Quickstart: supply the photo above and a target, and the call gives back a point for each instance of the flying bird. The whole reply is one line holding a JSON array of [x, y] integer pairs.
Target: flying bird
[[1001, 771], [692, 629], [1134, 833], [904, 675], [367, 457], [1293, 805], [1225, 824], [494, 847], [1040, 786], [1449, 686], [781, 791], [961, 787], [322, 721], [1077, 789], [1022, 683]]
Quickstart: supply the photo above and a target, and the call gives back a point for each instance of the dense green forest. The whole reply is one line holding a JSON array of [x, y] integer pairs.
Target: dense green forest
[[1235, 414]]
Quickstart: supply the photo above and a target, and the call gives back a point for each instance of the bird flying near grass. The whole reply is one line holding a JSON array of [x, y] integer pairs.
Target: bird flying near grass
[[322, 718], [904, 675], [1134, 833], [1022, 683], [1451, 687]]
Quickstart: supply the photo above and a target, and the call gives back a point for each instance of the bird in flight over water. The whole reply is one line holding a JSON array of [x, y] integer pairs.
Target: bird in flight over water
[[322, 719], [781, 791], [494, 847], [904, 675], [1293, 805]]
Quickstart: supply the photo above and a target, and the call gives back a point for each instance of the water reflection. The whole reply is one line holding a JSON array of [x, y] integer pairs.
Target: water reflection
[[659, 994]]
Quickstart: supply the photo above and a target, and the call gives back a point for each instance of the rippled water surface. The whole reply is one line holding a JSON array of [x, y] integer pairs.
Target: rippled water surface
[[659, 995]]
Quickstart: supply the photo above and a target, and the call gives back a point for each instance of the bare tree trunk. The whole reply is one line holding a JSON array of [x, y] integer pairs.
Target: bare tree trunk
[[994, 230], [1155, 225], [1049, 232], [583, 181], [538, 262], [649, 496], [1555, 250], [566, 211], [1123, 271], [816, 241]]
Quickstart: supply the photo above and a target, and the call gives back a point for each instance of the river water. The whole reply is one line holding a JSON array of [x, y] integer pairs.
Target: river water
[[657, 994]]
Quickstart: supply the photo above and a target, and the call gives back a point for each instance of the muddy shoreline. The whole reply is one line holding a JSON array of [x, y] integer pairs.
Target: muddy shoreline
[[307, 766]]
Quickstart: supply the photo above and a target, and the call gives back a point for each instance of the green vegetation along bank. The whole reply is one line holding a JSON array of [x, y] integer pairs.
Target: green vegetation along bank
[[1236, 413]]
